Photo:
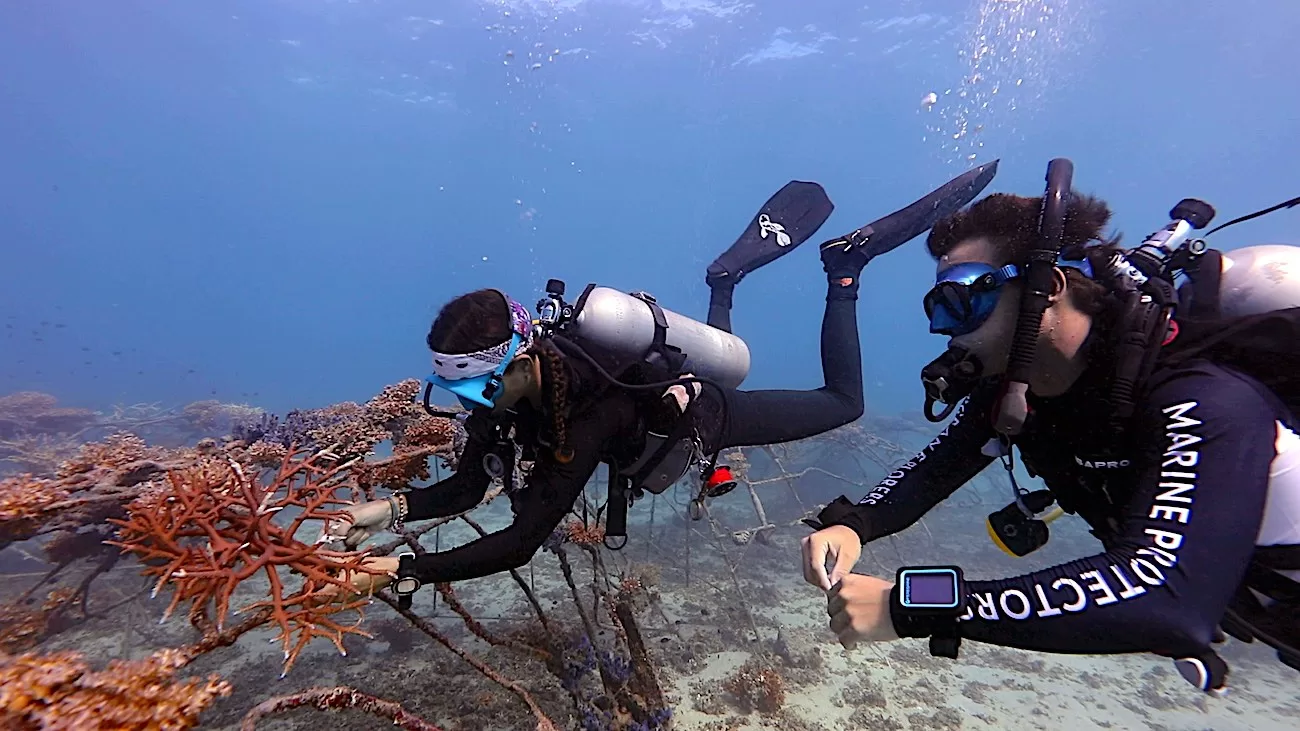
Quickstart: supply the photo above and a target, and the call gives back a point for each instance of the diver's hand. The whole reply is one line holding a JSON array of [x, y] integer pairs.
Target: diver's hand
[[859, 610], [358, 523], [362, 583], [838, 543]]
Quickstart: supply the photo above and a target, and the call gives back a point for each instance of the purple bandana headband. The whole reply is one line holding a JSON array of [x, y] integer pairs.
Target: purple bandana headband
[[455, 367]]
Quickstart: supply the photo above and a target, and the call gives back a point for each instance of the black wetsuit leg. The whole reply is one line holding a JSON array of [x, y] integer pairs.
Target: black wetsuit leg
[[720, 306], [772, 416]]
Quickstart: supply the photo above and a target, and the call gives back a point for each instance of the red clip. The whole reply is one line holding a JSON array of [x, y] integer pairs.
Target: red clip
[[1171, 333]]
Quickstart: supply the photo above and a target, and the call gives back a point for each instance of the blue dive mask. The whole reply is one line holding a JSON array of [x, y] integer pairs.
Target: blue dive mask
[[478, 390], [965, 295], [476, 378]]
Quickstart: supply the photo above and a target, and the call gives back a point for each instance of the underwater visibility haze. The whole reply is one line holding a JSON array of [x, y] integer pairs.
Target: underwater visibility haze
[[227, 228]]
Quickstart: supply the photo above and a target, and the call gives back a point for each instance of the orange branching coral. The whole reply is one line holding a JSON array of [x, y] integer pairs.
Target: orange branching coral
[[213, 526], [394, 472], [427, 431], [349, 429], [115, 450], [582, 534], [395, 402], [60, 692], [266, 454], [24, 501], [88, 488], [22, 627]]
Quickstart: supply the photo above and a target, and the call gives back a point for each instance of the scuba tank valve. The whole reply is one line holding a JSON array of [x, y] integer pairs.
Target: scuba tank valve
[[1168, 249], [552, 310]]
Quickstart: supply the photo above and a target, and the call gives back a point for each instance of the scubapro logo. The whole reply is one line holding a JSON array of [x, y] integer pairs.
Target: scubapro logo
[[767, 226], [1097, 464]]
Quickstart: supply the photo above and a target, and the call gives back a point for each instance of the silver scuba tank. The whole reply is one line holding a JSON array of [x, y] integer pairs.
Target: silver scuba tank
[[621, 330], [1257, 279]]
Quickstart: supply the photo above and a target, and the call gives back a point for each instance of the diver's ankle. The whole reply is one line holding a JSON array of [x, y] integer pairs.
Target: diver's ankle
[[842, 284]]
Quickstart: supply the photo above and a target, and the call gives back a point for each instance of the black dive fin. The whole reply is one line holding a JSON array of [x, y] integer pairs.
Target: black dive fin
[[788, 219], [898, 228]]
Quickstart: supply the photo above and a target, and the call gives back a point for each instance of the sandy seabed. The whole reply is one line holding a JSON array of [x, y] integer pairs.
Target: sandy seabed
[[698, 635]]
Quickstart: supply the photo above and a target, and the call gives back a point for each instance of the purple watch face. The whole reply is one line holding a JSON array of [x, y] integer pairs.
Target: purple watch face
[[929, 589]]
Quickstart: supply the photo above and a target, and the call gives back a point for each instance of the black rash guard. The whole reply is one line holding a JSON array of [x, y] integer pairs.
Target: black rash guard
[[606, 425], [1177, 519]]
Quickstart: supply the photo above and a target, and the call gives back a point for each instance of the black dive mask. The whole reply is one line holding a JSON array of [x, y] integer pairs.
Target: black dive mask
[[948, 379]]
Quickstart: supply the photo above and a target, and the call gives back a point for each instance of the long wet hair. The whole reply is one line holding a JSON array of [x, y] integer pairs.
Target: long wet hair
[[480, 320], [1010, 222]]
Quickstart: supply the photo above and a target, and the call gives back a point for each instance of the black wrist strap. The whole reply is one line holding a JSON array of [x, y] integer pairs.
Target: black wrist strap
[[407, 582], [945, 639]]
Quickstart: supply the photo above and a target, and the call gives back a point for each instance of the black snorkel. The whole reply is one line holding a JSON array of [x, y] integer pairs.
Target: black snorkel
[[1013, 407]]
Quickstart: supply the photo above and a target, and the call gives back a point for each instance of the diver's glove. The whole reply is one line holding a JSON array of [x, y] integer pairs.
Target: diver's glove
[[358, 523]]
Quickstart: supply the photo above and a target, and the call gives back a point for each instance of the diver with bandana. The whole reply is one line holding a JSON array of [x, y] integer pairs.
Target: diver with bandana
[[616, 379], [1165, 418]]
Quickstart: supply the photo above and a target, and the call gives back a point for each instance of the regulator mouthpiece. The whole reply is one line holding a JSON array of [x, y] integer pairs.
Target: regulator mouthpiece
[[948, 379]]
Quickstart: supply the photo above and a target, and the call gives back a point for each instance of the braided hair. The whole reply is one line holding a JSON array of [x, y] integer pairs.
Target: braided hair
[[482, 319]]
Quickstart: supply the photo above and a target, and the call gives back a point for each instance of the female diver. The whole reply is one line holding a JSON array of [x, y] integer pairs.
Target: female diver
[[569, 415]]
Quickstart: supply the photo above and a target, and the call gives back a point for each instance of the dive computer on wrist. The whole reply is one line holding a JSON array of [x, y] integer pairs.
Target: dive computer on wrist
[[926, 601]]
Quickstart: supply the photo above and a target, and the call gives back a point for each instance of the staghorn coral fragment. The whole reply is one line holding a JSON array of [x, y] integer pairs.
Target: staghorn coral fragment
[[214, 526], [331, 699]]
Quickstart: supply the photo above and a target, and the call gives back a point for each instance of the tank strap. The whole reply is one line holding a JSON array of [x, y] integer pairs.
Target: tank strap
[[1205, 275], [660, 355]]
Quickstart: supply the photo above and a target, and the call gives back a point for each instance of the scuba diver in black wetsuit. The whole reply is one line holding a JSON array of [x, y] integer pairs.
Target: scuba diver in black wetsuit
[[615, 379], [1165, 418]]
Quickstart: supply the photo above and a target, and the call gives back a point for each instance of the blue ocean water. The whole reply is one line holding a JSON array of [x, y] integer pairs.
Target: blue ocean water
[[266, 201]]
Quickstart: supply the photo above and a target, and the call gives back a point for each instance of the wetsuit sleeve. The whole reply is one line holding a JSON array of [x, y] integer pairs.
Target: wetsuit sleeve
[[1182, 544], [455, 494], [949, 461], [551, 490]]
